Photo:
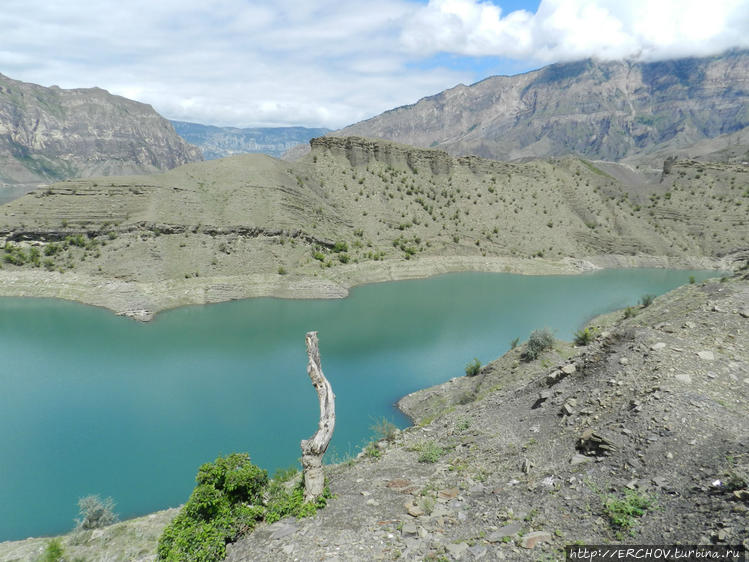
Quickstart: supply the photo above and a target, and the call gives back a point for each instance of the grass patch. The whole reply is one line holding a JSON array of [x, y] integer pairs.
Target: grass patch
[[624, 512], [429, 452]]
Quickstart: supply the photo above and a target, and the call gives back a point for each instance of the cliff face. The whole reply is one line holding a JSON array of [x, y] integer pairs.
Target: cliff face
[[601, 110], [52, 134], [220, 142]]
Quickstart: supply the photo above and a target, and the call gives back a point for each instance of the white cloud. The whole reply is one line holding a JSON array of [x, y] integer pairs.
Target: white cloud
[[571, 29], [326, 62]]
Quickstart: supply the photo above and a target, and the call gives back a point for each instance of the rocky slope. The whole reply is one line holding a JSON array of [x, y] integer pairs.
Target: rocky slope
[[49, 134], [220, 142], [594, 109], [357, 211], [529, 456]]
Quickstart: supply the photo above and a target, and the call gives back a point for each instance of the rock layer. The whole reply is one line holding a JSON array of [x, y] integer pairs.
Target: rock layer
[[49, 134]]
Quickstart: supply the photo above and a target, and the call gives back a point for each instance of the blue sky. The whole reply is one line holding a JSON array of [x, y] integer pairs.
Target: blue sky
[[331, 63]]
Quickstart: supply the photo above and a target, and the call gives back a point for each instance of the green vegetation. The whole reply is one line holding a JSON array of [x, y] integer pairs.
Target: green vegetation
[[539, 341], [372, 451], [584, 336], [473, 368], [630, 312], [429, 452], [95, 513], [232, 495], [384, 429], [52, 249], [14, 254], [623, 511], [646, 300], [54, 552], [76, 240]]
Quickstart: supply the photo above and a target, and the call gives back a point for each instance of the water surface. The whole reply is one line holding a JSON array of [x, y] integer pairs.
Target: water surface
[[92, 403]]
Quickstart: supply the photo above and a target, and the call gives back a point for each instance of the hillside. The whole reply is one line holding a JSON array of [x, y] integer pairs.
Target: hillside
[[49, 134], [356, 211], [529, 456], [220, 142], [593, 109]]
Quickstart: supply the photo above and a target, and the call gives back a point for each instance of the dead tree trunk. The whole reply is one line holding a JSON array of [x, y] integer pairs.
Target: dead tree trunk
[[314, 448]]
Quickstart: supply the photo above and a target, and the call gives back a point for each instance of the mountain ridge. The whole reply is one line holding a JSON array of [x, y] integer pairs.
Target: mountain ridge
[[356, 211], [49, 134], [601, 110]]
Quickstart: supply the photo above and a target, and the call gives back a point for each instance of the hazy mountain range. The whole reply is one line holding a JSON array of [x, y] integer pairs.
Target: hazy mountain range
[[219, 142]]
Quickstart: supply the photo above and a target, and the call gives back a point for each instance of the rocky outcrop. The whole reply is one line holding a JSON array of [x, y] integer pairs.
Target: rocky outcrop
[[359, 151], [52, 134], [601, 110]]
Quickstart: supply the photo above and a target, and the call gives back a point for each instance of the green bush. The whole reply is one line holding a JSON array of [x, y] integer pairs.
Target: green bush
[[473, 368], [646, 300], [340, 247], [630, 312], [52, 249], [232, 495], [54, 552], [539, 341], [16, 258], [15, 254], [77, 240], [584, 336], [95, 513]]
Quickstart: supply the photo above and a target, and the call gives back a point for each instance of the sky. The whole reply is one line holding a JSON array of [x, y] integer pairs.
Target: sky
[[330, 63]]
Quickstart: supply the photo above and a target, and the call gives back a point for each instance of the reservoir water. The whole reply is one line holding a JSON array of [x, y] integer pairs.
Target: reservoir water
[[93, 403]]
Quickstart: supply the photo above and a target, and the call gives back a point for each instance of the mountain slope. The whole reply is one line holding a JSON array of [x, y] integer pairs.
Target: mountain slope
[[48, 134], [599, 110], [220, 142], [356, 211]]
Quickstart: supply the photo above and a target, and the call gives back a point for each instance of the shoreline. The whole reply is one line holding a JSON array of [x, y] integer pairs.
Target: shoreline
[[143, 301]]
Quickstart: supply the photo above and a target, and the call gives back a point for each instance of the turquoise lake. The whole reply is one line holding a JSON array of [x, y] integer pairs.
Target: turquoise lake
[[93, 403]]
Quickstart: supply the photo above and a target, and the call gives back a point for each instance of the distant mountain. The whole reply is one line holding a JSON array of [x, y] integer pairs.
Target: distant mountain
[[599, 110], [219, 142], [49, 134]]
